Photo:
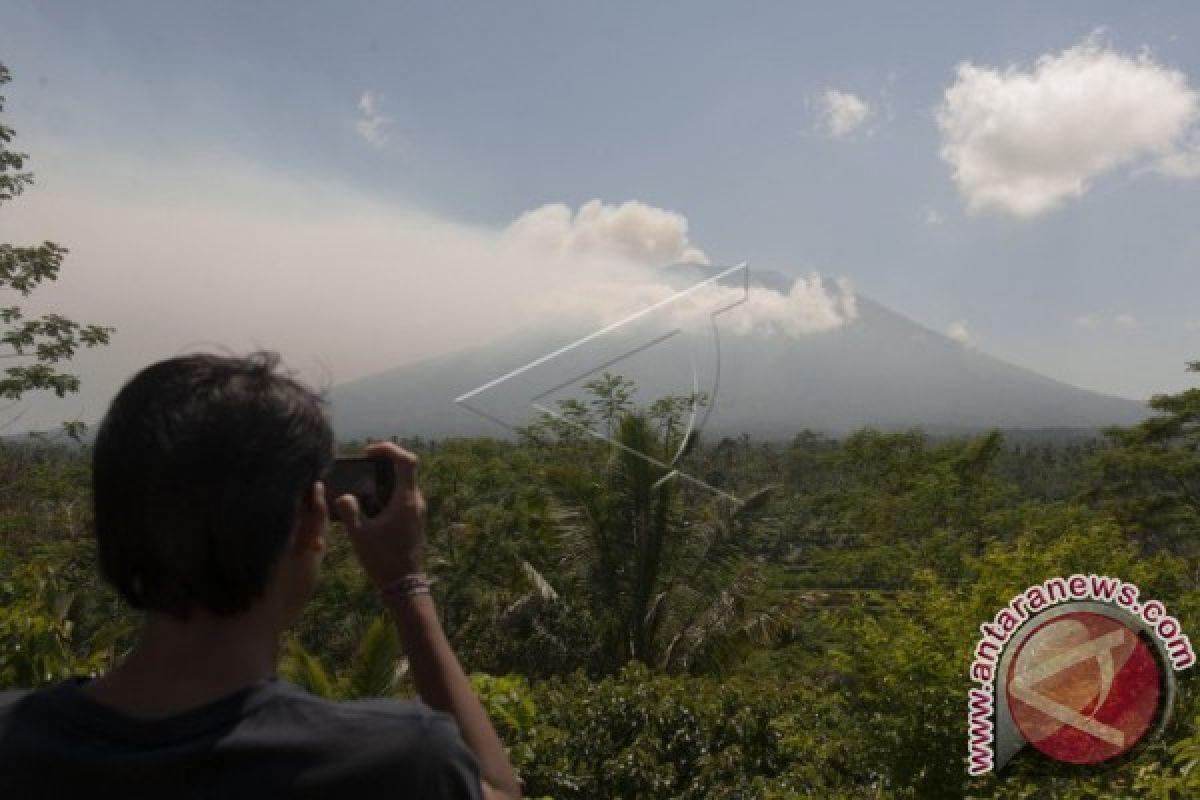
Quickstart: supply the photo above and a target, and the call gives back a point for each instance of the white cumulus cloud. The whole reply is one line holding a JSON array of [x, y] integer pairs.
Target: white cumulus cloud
[[1023, 141], [372, 124], [633, 231], [842, 112]]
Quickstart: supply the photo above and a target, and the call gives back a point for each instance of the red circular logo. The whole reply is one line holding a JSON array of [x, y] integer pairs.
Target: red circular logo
[[1083, 688]]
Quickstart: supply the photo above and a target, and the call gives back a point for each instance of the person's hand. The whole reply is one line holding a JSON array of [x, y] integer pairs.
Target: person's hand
[[390, 544]]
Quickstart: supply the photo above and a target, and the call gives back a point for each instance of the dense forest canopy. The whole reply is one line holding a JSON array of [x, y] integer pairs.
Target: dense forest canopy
[[642, 638]]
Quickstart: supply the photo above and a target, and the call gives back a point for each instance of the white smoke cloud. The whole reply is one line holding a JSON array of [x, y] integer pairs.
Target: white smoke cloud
[[812, 305], [1184, 163], [961, 333], [1023, 141], [633, 231], [202, 254]]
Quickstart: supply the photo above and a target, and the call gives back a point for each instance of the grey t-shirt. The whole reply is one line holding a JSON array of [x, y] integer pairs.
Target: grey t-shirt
[[269, 740]]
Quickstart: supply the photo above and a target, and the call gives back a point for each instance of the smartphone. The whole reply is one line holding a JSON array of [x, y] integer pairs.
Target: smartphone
[[369, 479]]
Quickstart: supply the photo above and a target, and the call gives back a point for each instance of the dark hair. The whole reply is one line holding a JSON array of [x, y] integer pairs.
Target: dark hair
[[198, 471]]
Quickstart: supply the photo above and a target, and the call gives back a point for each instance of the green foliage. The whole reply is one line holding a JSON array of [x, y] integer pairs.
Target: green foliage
[[1047, 470], [907, 668], [509, 703], [344, 604], [40, 627], [1148, 477], [507, 699], [42, 342], [306, 671], [634, 638], [666, 575], [13, 179], [612, 398], [890, 503], [644, 734], [1178, 774], [375, 670], [866, 695]]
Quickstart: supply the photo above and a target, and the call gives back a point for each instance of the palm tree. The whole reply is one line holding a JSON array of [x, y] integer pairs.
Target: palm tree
[[667, 586]]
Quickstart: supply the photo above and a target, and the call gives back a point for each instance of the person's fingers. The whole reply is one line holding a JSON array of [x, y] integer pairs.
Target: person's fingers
[[320, 500], [404, 462], [349, 512], [391, 451]]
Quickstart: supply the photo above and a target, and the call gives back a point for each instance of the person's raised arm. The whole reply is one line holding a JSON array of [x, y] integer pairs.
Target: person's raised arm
[[390, 547]]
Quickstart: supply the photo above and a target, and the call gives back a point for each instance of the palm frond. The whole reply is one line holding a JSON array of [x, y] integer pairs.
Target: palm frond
[[652, 613], [755, 502], [306, 670], [722, 616], [376, 669], [537, 582]]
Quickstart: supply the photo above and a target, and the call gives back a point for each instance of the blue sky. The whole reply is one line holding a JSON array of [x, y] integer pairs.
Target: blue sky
[[474, 114]]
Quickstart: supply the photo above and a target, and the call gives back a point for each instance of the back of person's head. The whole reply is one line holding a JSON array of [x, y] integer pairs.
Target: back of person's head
[[199, 470]]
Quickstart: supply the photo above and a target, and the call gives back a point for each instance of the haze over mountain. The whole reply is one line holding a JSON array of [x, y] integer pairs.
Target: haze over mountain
[[875, 368]]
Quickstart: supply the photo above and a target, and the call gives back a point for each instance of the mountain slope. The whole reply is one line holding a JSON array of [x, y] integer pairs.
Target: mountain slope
[[882, 369]]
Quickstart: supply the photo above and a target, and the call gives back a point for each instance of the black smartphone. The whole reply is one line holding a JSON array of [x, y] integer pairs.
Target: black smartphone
[[369, 479]]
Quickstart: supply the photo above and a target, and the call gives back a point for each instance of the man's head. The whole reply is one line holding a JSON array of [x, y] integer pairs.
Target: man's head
[[203, 473]]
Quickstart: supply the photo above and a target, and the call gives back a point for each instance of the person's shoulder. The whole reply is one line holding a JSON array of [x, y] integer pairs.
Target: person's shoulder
[[10, 697], [405, 737], [9, 700], [365, 713], [392, 722], [14, 702], [25, 716]]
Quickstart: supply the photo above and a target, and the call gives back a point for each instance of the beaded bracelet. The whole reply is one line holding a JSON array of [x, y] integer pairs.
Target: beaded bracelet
[[408, 585]]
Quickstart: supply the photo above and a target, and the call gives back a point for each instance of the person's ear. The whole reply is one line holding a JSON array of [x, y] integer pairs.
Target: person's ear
[[313, 522]]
